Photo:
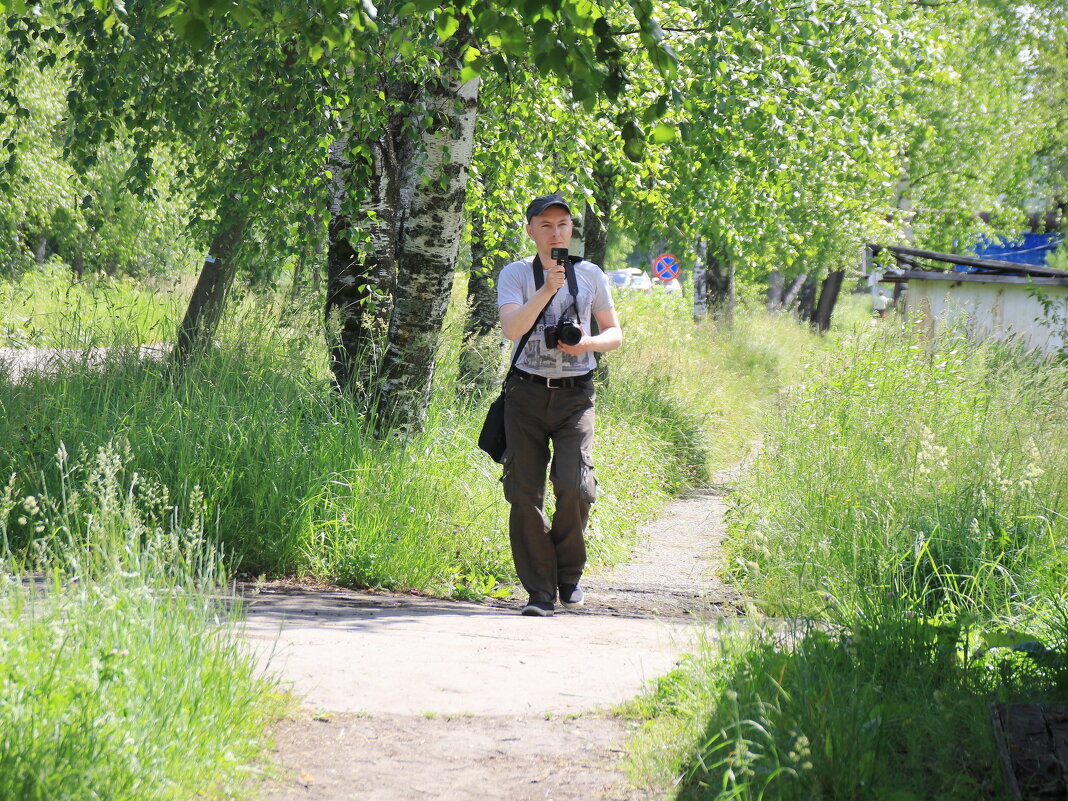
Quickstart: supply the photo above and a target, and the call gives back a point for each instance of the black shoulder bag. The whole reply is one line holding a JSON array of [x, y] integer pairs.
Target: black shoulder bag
[[491, 439]]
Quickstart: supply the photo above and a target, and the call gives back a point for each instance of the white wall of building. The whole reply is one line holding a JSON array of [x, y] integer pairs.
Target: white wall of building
[[998, 307]]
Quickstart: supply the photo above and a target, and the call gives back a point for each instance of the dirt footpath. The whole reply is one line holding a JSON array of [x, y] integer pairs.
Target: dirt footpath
[[415, 698]]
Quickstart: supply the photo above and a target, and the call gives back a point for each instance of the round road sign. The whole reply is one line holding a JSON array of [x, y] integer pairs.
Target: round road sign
[[666, 267]]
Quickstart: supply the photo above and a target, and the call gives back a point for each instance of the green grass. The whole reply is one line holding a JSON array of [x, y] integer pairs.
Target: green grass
[[709, 390], [253, 464], [908, 510], [933, 474], [119, 677], [51, 307], [294, 484]]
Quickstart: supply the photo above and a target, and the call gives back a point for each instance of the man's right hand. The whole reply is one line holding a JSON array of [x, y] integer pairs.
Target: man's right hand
[[555, 278]]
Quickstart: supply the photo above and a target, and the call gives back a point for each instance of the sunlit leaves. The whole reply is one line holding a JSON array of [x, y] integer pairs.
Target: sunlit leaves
[[663, 133], [446, 25]]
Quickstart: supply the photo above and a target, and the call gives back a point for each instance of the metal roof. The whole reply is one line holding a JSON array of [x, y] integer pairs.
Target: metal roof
[[909, 256]]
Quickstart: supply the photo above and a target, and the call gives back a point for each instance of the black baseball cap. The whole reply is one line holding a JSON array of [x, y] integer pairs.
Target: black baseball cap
[[540, 204]]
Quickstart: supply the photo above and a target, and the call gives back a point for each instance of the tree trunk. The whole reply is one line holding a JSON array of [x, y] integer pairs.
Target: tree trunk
[[209, 297], [208, 300], [903, 201], [719, 289], [791, 294], [700, 280], [776, 287], [361, 282], [596, 223], [480, 356], [832, 285], [426, 254], [595, 227], [807, 298]]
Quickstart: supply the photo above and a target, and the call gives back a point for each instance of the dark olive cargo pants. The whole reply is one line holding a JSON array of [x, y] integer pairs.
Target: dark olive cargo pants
[[535, 416]]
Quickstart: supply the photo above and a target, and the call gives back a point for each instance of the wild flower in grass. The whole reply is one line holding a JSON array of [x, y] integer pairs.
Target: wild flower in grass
[[930, 456], [800, 752], [1031, 470], [759, 543], [998, 479]]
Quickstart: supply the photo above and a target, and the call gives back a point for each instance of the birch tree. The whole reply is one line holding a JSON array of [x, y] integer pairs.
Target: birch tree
[[389, 290]]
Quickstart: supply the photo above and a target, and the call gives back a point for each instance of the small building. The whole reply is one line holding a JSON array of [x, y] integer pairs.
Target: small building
[[994, 299]]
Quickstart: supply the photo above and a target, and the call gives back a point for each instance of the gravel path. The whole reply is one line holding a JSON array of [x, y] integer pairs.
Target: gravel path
[[416, 698], [17, 363]]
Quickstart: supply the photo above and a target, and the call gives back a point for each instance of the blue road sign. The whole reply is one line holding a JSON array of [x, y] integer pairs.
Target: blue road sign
[[666, 267]]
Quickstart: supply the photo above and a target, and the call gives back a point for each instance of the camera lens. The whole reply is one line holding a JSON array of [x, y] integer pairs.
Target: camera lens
[[569, 333]]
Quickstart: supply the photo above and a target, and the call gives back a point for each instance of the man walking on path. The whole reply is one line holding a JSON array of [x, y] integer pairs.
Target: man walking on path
[[879, 303], [549, 399]]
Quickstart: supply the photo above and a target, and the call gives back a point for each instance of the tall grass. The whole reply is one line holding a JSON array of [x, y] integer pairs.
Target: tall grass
[[908, 513], [927, 474], [120, 677], [707, 388], [51, 308], [294, 484]]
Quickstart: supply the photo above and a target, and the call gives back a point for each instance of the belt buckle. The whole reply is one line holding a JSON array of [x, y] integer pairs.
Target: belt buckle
[[549, 383]]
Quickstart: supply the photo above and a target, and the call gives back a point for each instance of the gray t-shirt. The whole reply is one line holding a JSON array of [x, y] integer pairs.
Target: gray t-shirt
[[516, 285]]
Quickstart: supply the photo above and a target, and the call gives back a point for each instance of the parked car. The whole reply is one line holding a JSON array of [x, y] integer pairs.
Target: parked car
[[668, 286], [631, 278], [618, 279], [640, 281]]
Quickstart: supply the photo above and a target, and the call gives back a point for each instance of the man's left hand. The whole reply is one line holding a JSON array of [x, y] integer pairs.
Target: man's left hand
[[585, 344]]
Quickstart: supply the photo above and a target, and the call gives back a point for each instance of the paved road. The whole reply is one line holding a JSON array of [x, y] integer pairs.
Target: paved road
[[409, 685]]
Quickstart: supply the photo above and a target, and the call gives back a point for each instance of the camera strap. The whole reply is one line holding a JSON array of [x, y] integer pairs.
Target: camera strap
[[569, 272], [539, 281]]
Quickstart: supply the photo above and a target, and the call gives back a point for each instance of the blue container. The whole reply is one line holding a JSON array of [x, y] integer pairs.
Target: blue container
[[1030, 249]]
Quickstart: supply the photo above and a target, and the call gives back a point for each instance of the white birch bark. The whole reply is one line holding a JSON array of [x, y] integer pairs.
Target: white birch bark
[[363, 259], [426, 256]]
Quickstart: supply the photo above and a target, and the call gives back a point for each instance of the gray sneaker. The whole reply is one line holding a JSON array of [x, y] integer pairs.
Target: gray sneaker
[[571, 596], [538, 609]]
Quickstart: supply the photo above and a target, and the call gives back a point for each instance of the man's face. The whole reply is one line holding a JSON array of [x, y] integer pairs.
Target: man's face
[[551, 229]]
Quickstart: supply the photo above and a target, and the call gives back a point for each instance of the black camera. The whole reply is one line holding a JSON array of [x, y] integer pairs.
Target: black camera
[[566, 331]]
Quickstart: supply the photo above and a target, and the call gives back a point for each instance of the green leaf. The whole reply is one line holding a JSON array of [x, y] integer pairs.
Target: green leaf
[[512, 36], [663, 133], [633, 141], [1006, 638], [446, 25], [615, 84], [242, 14], [196, 33]]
